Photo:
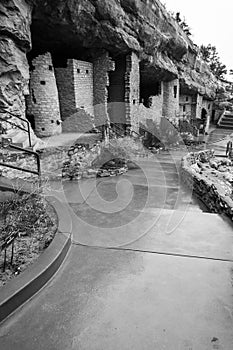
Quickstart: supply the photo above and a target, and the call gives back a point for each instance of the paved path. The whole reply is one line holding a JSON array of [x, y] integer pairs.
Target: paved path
[[218, 138], [149, 268]]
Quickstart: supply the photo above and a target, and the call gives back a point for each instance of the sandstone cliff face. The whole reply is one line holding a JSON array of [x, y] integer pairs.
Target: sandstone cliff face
[[74, 26], [119, 26], [116, 25], [15, 41]]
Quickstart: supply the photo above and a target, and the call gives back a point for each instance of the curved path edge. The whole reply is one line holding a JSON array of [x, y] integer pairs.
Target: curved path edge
[[20, 289]]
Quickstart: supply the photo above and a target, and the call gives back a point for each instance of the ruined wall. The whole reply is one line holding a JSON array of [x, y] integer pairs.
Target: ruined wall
[[43, 103], [199, 105], [208, 105], [76, 98], [65, 86], [83, 85], [171, 98], [187, 105], [132, 90], [157, 104], [101, 68], [116, 92], [191, 105], [75, 87], [156, 107]]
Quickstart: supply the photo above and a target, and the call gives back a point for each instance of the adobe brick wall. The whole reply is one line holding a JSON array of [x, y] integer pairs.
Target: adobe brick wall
[[132, 90], [170, 98], [101, 68], [42, 102]]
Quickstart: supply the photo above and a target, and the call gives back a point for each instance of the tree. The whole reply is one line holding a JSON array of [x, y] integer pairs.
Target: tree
[[183, 24], [185, 28], [210, 55]]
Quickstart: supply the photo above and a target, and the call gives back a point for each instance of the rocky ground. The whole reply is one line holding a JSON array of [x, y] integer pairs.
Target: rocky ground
[[219, 170]]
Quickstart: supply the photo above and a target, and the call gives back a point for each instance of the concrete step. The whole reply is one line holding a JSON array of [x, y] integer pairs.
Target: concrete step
[[228, 115], [226, 121], [228, 118], [226, 126]]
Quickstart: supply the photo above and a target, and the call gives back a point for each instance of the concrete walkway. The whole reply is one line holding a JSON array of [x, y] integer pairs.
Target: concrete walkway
[[149, 268], [67, 139]]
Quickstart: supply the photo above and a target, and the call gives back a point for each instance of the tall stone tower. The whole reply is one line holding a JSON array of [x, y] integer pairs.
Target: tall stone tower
[[43, 109]]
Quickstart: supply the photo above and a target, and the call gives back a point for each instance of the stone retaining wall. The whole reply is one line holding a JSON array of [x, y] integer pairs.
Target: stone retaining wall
[[67, 162], [212, 194]]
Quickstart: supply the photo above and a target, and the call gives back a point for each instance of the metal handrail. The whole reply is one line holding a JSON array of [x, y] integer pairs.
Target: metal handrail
[[38, 172], [221, 117], [19, 126]]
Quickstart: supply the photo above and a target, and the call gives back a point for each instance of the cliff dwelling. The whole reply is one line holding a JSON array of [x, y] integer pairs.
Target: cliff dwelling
[[116, 178], [80, 82]]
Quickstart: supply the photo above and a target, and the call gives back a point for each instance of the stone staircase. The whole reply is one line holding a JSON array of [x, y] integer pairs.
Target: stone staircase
[[226, 121]]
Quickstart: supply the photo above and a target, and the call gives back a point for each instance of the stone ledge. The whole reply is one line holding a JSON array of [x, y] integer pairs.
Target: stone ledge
[[27, 284], [211, 194]]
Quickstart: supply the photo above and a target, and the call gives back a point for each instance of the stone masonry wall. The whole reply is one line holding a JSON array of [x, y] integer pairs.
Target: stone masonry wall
[[116, 92], [83, 85], [157, 105], [187, 105], [101, 66], [171, 98], [75, 162], [75, 87], [199, 105], [43, 103], [208, 105], [132, 90], [153, 113], [65, 86]]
